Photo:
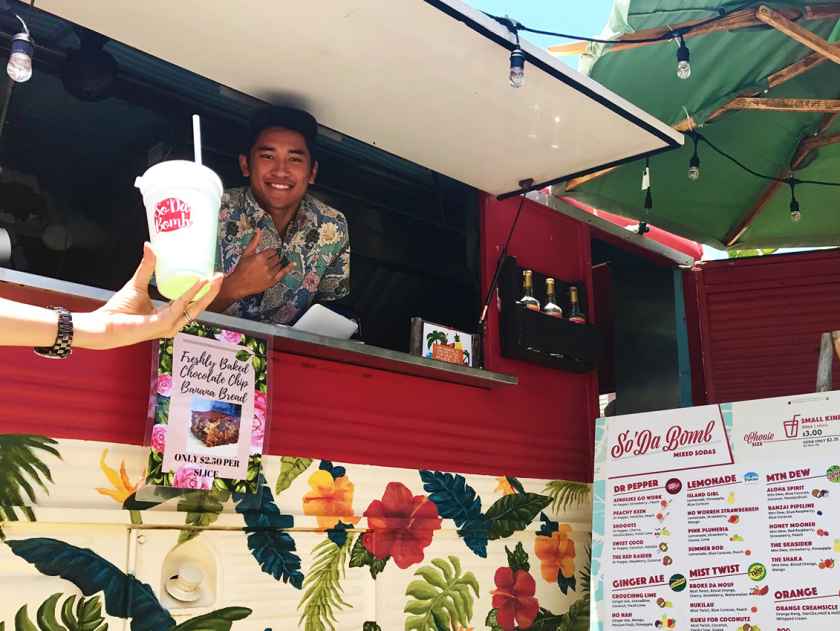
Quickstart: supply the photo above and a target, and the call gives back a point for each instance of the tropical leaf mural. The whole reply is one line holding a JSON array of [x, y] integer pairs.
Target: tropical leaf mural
[[21, 468], [361, 557], [442, 598], [457, 500], [564, 494], [322, 595], [125, 596], [219, 620], [76, 613], [512, 513], [290, 468], [272, 548], [202, 508]]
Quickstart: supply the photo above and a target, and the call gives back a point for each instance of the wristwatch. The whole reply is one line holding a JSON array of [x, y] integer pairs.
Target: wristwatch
[[61, 349]]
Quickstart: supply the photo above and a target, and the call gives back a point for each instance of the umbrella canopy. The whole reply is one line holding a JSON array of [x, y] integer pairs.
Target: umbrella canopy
[[764, 89]]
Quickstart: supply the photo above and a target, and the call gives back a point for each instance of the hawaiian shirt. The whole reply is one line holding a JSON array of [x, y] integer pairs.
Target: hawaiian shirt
[[316, 241]]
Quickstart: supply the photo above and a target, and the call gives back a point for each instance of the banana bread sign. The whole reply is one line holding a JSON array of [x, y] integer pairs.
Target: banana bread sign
[[209, 410]]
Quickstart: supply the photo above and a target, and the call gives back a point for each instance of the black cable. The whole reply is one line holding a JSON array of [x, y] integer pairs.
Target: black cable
[[515, 26], [771, 178], [499, 262]]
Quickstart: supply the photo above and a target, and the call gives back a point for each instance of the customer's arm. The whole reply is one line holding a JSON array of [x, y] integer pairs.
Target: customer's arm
[[127, 318]]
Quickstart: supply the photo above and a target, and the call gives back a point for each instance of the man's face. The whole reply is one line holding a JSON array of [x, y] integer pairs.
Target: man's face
[[280, 168]]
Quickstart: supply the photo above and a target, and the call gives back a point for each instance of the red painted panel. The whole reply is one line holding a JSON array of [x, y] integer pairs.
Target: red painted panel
[[761, 321], [540, 428]]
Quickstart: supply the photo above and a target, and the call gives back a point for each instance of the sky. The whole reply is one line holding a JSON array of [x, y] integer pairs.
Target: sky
[[577, 18]]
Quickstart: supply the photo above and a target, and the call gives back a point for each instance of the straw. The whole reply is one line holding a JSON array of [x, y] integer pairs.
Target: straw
[[197, 138]]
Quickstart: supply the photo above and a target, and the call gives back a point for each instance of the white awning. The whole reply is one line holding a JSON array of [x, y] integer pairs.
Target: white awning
[[426, 80]]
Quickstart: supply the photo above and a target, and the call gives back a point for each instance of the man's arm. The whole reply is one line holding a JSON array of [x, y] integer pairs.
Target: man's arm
[[335, 283]]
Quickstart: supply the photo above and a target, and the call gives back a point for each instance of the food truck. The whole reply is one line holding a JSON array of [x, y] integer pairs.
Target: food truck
[[389, 489]]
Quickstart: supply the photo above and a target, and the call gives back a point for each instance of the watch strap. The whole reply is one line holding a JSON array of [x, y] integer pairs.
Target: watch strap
[[62, 347]]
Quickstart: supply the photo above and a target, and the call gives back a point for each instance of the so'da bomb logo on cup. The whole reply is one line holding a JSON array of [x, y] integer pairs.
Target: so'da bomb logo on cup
[[172, 214]]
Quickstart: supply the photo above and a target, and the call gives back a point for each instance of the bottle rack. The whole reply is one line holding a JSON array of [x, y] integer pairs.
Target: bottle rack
[[536, 337]]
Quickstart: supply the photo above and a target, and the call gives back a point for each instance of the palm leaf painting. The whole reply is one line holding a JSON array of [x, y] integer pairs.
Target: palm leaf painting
[[290, 468], [323, 587], [76, 613], [442, 598], [219, 620], [564, 494], [21, 469], [435, 337], [202, 508], [125, 596], [272, 548]]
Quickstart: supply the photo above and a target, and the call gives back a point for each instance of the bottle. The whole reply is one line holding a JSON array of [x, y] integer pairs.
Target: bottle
[[528, 301], [575, 314], [551, 307]]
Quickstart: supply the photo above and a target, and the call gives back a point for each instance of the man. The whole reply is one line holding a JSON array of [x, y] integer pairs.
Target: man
[[280, 248]]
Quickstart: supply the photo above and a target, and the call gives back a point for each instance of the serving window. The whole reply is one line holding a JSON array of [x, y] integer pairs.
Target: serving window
[[83, 127]]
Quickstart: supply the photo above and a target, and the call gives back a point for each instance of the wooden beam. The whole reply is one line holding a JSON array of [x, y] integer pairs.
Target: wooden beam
[[783, 105], [776, 79], [754, 212], [794, 70], [821, 12], [781, 23], [744, 18], [805, 147], [583, 179]]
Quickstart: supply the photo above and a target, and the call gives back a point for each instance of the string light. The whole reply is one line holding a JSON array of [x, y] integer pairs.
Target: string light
[[646, 186], [683, 65], [517, 68], [795, 213], [19, 67], [694, 163]]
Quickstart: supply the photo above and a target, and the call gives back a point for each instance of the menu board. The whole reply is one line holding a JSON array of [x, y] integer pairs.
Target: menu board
[[719, 518]]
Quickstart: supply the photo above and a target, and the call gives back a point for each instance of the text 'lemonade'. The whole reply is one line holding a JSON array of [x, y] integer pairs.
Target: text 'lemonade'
[[182, 202]]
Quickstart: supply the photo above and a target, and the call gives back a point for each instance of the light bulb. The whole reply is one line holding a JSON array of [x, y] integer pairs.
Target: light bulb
[[517, 68], [694, 168], [683, 66], [795, 214], [19, 67]]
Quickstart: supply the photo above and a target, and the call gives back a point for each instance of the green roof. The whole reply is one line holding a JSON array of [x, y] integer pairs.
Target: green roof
[[725, 65]]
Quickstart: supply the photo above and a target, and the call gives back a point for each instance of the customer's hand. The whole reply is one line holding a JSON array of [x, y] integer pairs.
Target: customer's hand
[[129, 316], [256, 271]]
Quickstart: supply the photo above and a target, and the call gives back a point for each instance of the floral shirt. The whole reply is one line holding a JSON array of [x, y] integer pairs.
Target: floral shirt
[[316, 241]]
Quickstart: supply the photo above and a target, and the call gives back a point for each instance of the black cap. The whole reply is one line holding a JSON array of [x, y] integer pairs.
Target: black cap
[[287, 118]]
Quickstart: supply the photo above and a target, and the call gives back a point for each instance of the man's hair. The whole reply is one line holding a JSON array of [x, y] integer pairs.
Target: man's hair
[[287, 118]]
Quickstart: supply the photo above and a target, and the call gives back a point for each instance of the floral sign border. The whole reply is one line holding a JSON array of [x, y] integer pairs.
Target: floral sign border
[[254, 349]]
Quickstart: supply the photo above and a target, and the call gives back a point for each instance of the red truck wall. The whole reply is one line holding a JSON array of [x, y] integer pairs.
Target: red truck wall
[[540, 428], [759, 322]]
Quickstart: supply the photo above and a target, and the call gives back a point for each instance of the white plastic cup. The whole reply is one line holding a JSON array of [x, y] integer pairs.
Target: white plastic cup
[[182, 202]]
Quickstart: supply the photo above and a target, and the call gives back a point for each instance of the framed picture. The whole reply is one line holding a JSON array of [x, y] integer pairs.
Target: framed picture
[[435, 341]]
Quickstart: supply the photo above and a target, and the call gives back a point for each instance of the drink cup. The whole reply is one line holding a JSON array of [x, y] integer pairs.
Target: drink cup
[[182, 202]]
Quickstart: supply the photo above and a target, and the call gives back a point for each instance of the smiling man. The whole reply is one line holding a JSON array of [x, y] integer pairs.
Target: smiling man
[[279, 247]]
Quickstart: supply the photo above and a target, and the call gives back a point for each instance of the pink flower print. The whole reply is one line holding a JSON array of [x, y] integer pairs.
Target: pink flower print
[[164, 385], [159, 438], [188, 478], [311, 282], [260, 401], [257, 430], [231, 337]]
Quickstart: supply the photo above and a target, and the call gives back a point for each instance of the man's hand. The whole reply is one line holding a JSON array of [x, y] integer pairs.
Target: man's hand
[[254, 273]]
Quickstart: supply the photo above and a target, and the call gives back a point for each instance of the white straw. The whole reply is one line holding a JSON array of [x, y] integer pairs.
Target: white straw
[[197, 138]]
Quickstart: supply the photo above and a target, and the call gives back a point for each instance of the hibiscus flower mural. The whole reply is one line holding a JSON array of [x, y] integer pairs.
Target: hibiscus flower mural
[[513, 599], [401, 525], [557, 554], [330, 499]]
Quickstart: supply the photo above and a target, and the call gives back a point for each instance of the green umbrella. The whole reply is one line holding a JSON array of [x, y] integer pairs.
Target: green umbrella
[[727, 205]]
